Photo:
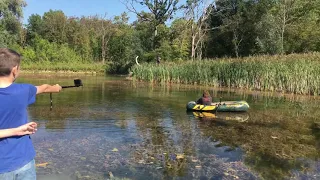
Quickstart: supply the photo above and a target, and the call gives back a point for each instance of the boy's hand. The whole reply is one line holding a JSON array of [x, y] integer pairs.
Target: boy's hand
[[58, 87], [29, 128]]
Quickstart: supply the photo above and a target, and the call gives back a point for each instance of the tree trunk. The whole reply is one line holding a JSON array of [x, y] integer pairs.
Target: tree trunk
[[155, 33], [103, 49], [193, 49], [236, 43], [199, 54], [283, 27]]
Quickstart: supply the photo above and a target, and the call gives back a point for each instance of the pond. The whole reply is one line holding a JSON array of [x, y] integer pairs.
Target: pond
[[112, 127]]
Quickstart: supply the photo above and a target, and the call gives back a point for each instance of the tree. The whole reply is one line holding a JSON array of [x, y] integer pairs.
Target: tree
[[78, 37], [122, 19], [54, 26], [288, 13], [234, 27], [145, 33], [225, 22], [10, 26], [161, 11], [123, 47], [197, 13], [180, 39], [102, 30], [286, 25], [34, 27]]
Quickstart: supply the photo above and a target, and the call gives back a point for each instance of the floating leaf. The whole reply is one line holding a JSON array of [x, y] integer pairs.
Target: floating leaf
[[42, 164], [236, 177], [180, 156], [169, 165], [141, 161], [110, 174], [115, 150]]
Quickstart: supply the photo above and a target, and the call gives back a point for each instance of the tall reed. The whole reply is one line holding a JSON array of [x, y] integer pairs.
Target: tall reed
[[295, 73]]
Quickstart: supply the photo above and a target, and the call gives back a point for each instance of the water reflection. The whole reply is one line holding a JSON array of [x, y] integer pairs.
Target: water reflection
[[224, 116], [142, 131]]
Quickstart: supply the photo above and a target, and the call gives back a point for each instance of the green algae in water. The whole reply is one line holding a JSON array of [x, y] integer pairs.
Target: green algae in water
[[144, 121]]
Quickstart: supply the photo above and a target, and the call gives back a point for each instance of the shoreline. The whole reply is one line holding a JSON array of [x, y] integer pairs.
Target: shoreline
[[297, 73], [253, 92], [93, 73]]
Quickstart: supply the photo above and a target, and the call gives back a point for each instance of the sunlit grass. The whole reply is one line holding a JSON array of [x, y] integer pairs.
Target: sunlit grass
[[71, 67], [296, 73]]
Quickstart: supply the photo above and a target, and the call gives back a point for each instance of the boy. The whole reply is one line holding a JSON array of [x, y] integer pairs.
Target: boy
[[206, 98], [16, 152]]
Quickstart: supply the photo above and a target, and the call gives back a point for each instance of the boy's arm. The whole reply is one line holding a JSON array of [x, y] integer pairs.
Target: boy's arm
[[29, 128], [46, 88], [7, 132]]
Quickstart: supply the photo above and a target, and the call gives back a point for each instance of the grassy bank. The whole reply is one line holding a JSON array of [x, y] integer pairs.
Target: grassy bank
[[295, 73], [64, 67]]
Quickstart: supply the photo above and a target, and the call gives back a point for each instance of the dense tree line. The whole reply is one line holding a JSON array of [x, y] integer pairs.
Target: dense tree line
[[206, 29]]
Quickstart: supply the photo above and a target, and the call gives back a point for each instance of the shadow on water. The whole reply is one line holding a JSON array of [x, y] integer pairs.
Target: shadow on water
[[142, 131]]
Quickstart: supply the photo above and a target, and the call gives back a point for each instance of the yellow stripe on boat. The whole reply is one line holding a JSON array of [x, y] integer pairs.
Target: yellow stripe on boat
[[204, 107]]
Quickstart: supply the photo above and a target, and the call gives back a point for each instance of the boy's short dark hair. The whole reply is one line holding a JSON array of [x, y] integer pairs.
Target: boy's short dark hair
[[8, 60]]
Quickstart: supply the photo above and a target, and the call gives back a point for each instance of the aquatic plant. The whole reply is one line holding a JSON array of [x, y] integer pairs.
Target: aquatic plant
[[295, 73]]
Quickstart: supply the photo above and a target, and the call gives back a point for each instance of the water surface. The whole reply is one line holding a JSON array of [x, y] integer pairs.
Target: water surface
[[134, 130]]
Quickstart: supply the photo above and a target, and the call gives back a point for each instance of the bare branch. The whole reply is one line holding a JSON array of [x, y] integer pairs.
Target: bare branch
[[130, 7]]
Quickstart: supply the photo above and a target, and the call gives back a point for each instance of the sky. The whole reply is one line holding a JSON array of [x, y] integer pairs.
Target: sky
[[78, 8]]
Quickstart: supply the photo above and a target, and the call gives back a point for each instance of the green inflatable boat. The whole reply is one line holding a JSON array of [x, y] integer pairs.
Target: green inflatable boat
[[224, 106]]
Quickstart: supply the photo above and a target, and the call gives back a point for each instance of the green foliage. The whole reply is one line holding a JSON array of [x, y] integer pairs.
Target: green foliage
[[7, 39], [123, 47], [10, 13], [180, 38], [268, 40], [54, 26], [293, 73], [60, 57], [53, 52], [251, 27], [235, 29], [161, 10], [34, 27], [63, 67]]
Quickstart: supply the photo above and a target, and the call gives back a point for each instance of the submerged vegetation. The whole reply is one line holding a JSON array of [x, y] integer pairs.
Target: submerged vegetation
[[134, 137], [296, 73]]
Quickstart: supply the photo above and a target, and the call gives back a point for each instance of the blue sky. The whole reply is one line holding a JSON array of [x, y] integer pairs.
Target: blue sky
[[77, 8]]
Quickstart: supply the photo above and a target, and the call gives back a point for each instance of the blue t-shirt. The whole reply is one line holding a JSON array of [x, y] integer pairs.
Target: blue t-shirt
[[17, 151]]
